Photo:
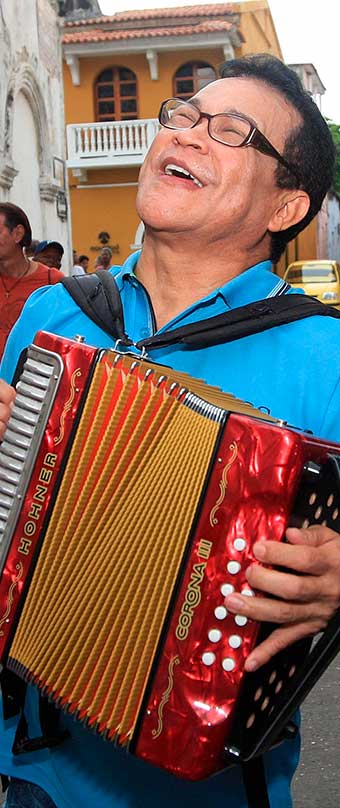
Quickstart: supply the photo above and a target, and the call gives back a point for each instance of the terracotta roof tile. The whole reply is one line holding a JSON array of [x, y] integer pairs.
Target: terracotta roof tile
[[79, 37], [216, 9]]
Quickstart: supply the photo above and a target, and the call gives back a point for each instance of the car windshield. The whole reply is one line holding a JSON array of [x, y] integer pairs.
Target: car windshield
[[319, 273]]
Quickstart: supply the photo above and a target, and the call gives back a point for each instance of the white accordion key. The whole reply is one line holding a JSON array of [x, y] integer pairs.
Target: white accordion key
[[227, 589], [240, 544], [228, 664], [233, 567]]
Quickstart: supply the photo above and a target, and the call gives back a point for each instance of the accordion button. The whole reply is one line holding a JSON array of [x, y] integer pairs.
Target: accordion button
[[240, 544], [208, 658], [233, 567], [228, 664], [220, 612], [248, 593], [241, 620], [227, 589], [235, 641], [214, 635]]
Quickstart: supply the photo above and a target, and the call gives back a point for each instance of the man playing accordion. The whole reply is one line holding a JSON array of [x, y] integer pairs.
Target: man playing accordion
[[232, 176]]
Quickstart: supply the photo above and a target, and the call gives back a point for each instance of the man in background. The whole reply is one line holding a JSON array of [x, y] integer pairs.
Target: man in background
[[19, 276], [104, 260], [81, 266], [49, 253]]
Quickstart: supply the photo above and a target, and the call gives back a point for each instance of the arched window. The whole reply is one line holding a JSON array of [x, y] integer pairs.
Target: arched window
[[116, 94], [191, 77]]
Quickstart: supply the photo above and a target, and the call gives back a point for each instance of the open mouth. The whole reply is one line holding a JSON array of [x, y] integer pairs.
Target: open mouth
[[174, 170]]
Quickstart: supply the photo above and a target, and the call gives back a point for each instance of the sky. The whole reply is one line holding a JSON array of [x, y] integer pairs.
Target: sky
[[308, 31]]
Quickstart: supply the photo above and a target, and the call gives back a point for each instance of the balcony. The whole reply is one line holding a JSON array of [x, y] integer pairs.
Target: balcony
[[112, 144]]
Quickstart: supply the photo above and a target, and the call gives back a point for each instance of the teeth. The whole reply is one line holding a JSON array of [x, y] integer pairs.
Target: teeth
[[174, 169]]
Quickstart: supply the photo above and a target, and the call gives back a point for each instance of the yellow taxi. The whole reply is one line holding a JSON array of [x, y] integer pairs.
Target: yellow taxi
[[319, 278]]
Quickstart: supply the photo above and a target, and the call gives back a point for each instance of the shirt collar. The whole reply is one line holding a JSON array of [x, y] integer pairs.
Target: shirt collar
[[254, 283], [129, 266]]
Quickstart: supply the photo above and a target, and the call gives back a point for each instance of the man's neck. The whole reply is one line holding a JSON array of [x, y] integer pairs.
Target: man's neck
[[16, 265], [176, 277]]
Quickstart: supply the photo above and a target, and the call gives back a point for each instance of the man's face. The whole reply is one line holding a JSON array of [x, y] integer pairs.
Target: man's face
[[84, 263], [106, 258], [236, 191], [50, 257], [9, 239]]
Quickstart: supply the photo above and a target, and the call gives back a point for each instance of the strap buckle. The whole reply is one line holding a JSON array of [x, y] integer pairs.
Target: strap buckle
[[138, 352]]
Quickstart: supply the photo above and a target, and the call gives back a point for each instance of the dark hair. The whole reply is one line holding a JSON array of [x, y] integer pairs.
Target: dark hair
[[309, 146], [83, 258], [14, 216]]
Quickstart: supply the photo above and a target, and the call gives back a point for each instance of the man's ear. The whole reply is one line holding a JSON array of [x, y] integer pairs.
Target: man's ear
[[291, 211], [19, 232]]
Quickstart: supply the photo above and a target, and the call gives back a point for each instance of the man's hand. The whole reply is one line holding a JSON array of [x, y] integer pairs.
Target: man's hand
[[7, 396], [304, 603]]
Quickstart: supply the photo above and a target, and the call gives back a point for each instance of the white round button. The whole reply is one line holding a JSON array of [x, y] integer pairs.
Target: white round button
[[208, 658], [235, 641], [248, 593], [214, 635], [228, 664], [220, 612], [233, 567], [240, 544], [227, 589], [241, 620]]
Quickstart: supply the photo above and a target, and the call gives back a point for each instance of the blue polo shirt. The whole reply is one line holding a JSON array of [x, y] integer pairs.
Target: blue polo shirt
[[294, 372]]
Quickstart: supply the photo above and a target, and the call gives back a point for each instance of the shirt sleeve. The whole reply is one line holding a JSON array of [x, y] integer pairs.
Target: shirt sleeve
[[330, 427], [42, 311]]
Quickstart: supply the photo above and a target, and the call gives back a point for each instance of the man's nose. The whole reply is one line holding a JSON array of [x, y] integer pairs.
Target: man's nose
[[197, 136]]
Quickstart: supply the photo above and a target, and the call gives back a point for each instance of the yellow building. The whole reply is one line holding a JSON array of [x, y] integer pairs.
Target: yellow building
[[117, 72]]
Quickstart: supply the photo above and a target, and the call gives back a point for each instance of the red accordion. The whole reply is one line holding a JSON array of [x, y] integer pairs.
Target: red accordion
[[131, 498]]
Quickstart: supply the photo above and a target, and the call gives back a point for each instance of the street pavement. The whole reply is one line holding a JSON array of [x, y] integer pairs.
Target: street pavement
[[317, 783]]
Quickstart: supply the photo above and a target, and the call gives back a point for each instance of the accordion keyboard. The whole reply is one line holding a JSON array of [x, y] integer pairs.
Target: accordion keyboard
[[36, 390]]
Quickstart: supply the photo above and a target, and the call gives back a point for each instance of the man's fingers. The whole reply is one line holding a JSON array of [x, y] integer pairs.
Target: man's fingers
[[301, 557], [280, 638], [283, 585], [7, 396], [314, 536], [7, 393], [270, 610]]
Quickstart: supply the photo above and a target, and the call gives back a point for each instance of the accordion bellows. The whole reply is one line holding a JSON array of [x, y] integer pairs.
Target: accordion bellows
[[158, 493], [114, 545]]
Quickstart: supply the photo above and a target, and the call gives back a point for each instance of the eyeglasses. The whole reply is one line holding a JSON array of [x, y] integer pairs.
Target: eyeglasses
[[227, 128]]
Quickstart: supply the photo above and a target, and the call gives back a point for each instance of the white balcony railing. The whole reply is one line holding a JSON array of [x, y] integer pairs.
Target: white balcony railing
[[114, 143]]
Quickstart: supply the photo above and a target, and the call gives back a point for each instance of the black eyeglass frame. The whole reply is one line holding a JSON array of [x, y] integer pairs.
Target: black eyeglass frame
[[255, 137]]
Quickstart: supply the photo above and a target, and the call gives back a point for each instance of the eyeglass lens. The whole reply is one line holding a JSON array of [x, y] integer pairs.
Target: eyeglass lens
[[226, 128]]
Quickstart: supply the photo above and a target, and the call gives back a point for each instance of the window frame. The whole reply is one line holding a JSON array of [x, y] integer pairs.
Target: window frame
[[116, 98], [196, 63]]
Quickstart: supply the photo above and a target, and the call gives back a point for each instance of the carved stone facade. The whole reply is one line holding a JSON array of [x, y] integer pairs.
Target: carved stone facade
[[32, 140], [79, 9]]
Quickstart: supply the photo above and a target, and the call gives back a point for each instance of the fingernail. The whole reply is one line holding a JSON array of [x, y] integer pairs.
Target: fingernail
[[259, 550], [234, 602], [252, 665]]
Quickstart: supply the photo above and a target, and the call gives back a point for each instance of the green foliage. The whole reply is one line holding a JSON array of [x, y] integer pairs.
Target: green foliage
[[335, 130]]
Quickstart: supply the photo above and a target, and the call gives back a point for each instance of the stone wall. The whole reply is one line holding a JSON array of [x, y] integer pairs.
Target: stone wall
[[32, 131]]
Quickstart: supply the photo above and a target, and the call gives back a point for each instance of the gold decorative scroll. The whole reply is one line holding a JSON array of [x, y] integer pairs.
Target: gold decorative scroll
[[68, 406], [223, 484], [13, 585], [165, 697]]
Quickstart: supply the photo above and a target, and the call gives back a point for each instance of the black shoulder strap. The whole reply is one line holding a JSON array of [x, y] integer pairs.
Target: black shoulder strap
[[243, 321], [255, 784], [98, 296]]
